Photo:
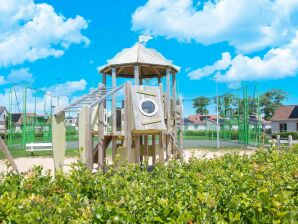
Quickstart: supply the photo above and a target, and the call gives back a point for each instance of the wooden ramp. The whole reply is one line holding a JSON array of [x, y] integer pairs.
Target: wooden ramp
[[7, 154]]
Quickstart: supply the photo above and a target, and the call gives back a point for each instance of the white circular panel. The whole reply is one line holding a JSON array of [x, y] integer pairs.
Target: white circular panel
[[148, 107]]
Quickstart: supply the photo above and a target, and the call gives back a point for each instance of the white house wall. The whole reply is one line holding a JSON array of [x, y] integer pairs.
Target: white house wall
[[291, 125]]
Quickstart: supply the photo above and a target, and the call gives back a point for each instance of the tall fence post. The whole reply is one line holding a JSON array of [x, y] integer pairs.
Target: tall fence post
[[290, 139], [278, 141]]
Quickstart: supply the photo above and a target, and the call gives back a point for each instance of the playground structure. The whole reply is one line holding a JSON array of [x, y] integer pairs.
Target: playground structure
[[142, 121], [147, 124]]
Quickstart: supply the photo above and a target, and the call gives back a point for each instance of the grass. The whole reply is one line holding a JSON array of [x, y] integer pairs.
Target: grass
[[21, 153]]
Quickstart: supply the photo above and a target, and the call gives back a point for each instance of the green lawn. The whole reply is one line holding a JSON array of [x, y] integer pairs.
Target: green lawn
[[19, 153]]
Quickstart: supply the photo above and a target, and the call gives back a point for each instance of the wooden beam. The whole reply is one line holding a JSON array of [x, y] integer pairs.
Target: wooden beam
[[8, 156]]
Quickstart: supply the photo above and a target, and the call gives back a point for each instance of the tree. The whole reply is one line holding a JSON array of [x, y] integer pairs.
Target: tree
[[200, 104], [227, 105], [270, 101]]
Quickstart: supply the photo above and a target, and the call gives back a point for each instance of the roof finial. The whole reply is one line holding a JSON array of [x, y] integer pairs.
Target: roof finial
[[144, 39]]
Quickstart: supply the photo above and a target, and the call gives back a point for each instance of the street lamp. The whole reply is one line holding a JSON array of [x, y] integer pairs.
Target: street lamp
[[217, 113]]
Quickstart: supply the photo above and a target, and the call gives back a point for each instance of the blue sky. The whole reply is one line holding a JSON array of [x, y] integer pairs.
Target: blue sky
[[57, 45]]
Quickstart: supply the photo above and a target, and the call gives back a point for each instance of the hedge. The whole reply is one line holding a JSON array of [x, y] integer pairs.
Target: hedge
[[286, 135], [261, 188]]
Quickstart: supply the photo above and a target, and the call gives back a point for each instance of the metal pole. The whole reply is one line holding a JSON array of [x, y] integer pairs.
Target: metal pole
[[217, 114]]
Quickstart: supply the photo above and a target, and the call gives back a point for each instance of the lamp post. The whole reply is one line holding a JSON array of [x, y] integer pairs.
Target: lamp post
[[217, 114]]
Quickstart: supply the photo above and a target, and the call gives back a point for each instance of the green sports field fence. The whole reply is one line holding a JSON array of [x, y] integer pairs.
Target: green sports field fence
[[240, 122]]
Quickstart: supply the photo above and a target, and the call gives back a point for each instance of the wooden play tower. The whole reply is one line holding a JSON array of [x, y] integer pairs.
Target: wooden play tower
[[148, 125]]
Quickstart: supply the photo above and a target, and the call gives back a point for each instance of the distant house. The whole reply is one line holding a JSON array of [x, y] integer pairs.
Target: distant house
[[31, 119], [285, 119], [71, 121], [208, 122], [199, 122], [3, 117]]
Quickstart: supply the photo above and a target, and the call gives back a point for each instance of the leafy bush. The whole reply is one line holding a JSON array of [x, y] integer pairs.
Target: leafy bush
[[261, 188], [286, 135]]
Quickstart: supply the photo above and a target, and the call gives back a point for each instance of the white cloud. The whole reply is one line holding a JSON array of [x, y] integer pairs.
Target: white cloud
[[245, 24], [63, 90], [221, 64], [277, 63], [30, 31], [68, 88], [2, 80], [20, 75]]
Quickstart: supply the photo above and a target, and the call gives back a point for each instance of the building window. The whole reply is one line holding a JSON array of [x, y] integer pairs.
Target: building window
[[283, 127]]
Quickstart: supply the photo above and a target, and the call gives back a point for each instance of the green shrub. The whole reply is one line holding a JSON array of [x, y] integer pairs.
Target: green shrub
[[286, 135], [261, 188]]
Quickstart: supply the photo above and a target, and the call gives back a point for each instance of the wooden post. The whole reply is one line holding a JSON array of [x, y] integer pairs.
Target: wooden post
[[114, 127], [58, 140], [168, 113], [161, 148], [101, 147], [136, 75], [153, 149], [168, 99], [174, 110], [137, 148], [85, 137], [159, 80], [104, 82], [8, 156], [146, 147], [127, 121], [278, 141], [290, 141]]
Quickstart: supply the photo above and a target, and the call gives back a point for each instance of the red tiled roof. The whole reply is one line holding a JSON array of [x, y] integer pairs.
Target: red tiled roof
[[285, 113], [200, 119]]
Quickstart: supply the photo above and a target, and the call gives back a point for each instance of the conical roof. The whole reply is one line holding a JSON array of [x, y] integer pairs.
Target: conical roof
[[151, 62]]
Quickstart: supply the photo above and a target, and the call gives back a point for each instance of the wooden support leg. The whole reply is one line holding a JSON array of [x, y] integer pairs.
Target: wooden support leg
[[137, 148], [114, 146], [168, 147], [85, 137], [154, 151], [161, 149], [58, 140], [146, 147]]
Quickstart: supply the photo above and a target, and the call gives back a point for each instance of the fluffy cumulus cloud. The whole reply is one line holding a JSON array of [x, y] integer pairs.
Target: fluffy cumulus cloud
[[17, 76], [68, 88], [248, 26], [30, 31], [277, 63], [20, 75], [221, 64]]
